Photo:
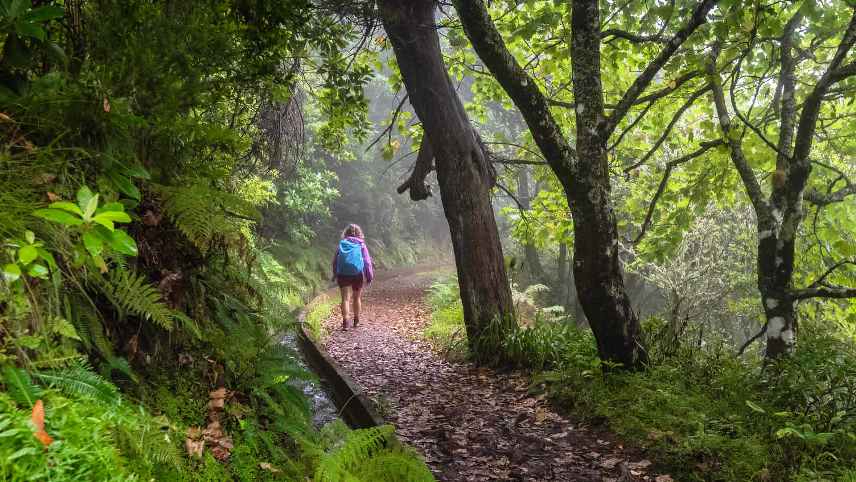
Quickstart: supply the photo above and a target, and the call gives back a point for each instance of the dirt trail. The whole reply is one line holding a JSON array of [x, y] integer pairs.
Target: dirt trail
[[471, 424]]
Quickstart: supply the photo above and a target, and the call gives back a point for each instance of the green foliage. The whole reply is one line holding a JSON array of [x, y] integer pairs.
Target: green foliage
[[371, 454], [706, 415], [79, 381], [20, 386], [319, 311], [203, 213], [131, 293], [446, 332], [95, 224]]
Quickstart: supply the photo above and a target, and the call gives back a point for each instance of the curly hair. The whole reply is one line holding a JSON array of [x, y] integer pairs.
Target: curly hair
[[353, 230]]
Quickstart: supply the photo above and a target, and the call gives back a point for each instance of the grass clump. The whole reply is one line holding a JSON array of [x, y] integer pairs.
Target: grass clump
[[317, 312], [446, 331]]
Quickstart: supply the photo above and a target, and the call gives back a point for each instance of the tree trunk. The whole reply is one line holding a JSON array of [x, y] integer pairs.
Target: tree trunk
[[532, 263], [597, 270], [776, 244], [583, 174], [464, 174]]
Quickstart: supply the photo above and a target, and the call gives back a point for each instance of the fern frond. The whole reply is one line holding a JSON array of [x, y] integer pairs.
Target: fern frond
[[202, 212], [80, 381], [142, 440], [394, 466], [20, 386], [130, 292], [338, 466]]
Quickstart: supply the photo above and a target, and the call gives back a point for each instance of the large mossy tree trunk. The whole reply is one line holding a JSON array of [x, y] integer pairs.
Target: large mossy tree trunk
[[464, 174], [597, 268]]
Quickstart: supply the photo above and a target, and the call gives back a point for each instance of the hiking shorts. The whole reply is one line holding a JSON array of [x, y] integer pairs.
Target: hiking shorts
[[355, 282]]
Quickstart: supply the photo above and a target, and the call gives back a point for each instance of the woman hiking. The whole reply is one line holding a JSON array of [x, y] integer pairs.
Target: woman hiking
[[352, 268]]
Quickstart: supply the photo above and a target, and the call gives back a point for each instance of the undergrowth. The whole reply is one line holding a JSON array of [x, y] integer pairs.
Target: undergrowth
[[142, 306], [320, 309], [703, 413]]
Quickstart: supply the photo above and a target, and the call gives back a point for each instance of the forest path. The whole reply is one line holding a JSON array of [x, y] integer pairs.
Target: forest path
[[470, 424]]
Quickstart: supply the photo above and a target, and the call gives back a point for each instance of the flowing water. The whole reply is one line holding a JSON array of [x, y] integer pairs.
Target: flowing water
[[323, 408]]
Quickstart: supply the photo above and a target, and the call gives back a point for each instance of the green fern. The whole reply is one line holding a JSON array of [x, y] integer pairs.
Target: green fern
[[394, 466], [202, 213], [79, 309], [80, 381], [137, 438], [358, 446], [132, 293], [20, 386]]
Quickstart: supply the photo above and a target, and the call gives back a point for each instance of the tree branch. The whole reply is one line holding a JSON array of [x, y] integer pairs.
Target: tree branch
[[675, 118], [839, 292], [750, 182], [753, 339], [698, 17], [663, 182], [678, 82], [522, 89], [516, 162], [811, 107], [388, 129], [820, 199], [419, 189], [820, 281], [632, 37]]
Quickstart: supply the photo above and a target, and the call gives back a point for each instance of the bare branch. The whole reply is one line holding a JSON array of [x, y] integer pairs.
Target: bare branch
[[631, 126], [822, 279], [839, 292], [753, 339], [388, 129], [820, 199], [419, 189], [516, 162], [632, 37], [677, 83]]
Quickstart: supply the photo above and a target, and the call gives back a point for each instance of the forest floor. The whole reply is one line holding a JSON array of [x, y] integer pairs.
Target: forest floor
[[469, 423]]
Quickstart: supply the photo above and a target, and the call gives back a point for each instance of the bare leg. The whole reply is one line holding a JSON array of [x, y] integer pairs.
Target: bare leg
[[358, 294], [345, 292]]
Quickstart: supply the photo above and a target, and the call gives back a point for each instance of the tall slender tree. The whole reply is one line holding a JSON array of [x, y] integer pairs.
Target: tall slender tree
[[464, 173]]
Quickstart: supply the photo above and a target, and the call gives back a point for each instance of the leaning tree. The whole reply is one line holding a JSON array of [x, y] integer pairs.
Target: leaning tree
[[464, 174]]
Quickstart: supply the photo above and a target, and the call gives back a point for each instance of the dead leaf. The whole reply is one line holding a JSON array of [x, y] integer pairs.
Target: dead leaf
[[106, 105], [38, 418], [194, 447], [270, 468], [44, 178], [53, 197], [664, 478]]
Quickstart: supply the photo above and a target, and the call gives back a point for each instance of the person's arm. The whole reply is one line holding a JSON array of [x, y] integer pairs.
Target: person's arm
[[368, 270]]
